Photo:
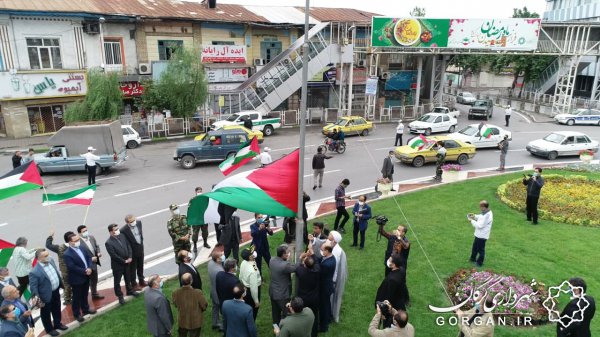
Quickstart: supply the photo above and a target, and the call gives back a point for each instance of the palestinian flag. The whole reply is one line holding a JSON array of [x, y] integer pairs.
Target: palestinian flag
[[271, 190], [418, 142], [485, 131], [248, 151], [20, 180], [82, 196]]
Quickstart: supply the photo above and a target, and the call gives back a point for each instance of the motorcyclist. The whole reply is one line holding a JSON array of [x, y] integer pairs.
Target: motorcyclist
[[335, 137]]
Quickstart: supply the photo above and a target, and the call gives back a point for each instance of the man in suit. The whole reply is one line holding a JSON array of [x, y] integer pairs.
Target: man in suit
[[387, 171], [132, 230], [299, 317], [393, 288], [90, 246], [578, 299], [238, 320], [191, 305], [79, 269], [159, 317], [259, 231], [186, 266], [326, 286], [308, 287], [231, 236], [226, 281], [316, 239], [534, 184], [281, 283], [12, 296], [45, 282], [120, 257], [362, 214], [215, 265], [5, 280]]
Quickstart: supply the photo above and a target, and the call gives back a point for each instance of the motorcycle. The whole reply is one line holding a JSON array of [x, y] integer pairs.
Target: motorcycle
[[331, 145]]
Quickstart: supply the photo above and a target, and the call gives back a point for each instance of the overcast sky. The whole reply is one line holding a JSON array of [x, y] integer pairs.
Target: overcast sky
[[433, 8]]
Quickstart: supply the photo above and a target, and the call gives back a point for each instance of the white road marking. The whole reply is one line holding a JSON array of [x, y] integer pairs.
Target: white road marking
[[158, 212], [525, 118], [3, 224], [291, 148], [149, 188], [517, 150], [326, 172], [373, 139], [391, 148], [84, 183]]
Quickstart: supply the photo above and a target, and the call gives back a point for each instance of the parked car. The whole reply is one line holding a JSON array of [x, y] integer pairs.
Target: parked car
[[454, 113], [433, 122], [465, 98], [131, 138], [481, 108], [251, 133], [260, 122], [470, 135], [456, 151], [580, 116], [562, 143], [351, 125], [214, 147]]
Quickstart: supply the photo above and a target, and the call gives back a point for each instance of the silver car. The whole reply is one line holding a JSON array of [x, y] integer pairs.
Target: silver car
[[465, 98]]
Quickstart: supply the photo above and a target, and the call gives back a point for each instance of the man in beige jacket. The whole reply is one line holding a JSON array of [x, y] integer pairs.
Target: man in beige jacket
[[400, 326], [476, 322]]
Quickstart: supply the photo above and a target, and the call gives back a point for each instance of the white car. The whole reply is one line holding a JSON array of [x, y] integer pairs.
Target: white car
[[465, 98], [562, 143], [131, 138], [580, 116], [433, 122], [445, 110], [470, 135]]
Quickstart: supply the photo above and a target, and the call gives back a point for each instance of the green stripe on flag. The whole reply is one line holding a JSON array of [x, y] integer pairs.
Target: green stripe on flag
[[16, 190], [5, 255], [27, 294]]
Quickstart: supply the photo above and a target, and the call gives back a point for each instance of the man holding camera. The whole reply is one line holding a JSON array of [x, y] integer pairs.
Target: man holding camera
[[399, 328], [393, 288], [398, 243], [483, 226], [259, 231], [476, 322], [534, 184]]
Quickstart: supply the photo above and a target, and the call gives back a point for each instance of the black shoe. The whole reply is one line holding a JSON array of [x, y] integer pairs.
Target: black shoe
[[361, 248], [534, 223], [207, 246], [314, 187], [393, 190], [479, 265], [91, 312], [121, 300], [528, 219], [134, 294], [353, 245], [62, 327], [320, 186], [53, 333], [80, 319], [97, 297]]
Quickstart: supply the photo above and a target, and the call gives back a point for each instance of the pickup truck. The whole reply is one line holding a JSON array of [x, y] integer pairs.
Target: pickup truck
[[481, 108], [70, 142], [215, 146], [447, 111], [264, 123]]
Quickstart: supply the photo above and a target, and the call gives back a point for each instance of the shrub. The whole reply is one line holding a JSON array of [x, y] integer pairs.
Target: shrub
[[452, 167], [104, 99]]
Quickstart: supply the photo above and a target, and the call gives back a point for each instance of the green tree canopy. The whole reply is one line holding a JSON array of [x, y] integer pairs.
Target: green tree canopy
[[524, 13], [104, 99]]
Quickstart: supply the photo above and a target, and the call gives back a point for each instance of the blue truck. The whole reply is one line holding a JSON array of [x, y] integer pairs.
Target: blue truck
[[216, 146]]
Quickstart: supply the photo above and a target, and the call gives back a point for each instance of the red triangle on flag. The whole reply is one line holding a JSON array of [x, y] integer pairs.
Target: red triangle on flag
[[6, 244], [280, 180], [32, 175]]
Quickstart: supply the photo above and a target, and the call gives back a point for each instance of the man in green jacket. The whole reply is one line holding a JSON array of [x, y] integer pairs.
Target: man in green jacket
[[296, 323]]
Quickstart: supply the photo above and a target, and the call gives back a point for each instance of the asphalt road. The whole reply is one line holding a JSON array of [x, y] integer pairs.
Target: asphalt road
[[151, 180]]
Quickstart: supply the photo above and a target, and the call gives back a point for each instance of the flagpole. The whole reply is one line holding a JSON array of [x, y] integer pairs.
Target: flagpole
[[303, 104], [49, 207], [87, 209]]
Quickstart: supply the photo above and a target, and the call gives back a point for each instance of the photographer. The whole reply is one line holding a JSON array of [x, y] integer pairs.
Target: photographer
[[398, 243], [476, 322], [400, 326], [393, 288], [362, 214], [259, 231], [534, 183]]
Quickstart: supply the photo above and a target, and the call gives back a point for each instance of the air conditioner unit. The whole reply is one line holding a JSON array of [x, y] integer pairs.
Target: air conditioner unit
[[362, 63], [385, 75], [259, 62], [91, 27], [145, 69], [286, 62]]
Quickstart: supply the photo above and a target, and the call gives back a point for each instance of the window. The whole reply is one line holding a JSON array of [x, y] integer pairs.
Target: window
[[235, 139], [438, 120], [359, 121], [446, 118], [270, 48], [44, 53], [570, 140], [253, 117], [450, 144], [112, 52], [495, 131], [166, 48], [223, 43], [582, 139]]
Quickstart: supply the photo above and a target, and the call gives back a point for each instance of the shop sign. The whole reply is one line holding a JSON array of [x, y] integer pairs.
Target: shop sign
[[223, 54], [360, 76], [29, 85], [226, 75], [132, 89], [401, 80], [371, 87]]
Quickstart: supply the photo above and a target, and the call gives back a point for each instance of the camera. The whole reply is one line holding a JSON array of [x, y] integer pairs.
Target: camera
[[383, 307], [381, 220]]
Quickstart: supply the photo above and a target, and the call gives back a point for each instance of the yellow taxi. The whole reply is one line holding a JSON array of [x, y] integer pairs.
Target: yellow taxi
[[251, 133], [351, 125], [456, 150]]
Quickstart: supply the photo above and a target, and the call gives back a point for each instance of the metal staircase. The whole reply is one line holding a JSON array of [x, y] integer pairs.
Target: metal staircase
[[565, 84], [279, 79]]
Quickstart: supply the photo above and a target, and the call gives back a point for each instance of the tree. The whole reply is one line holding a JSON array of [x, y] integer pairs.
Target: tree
[[418, 11], [524, 13], [104, 99], [182, 86]]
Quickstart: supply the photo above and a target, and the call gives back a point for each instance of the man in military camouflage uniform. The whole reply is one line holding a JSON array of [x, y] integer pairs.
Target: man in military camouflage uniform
[[440, 160], [196, 228], [179, 231], [60, 251]]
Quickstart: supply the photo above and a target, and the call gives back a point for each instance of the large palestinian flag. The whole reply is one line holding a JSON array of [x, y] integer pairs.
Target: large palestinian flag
[[245, 154], [271, 190], [82, 196], [20, 180]]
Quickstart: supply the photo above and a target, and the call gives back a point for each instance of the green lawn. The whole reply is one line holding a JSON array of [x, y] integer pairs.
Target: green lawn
[[549, 252]]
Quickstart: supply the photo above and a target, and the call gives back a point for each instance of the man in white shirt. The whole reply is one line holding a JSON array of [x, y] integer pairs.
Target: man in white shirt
[[399, 133], [507, 113], [483, 225], [265, 157], [90, 165]]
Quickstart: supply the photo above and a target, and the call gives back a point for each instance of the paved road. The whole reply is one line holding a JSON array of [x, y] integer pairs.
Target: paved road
[[151, 180]]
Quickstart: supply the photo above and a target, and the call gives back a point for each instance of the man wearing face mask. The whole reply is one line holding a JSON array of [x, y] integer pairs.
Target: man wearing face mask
[[362, 214], [60, 251], [534, 184], [197, 228], [398, 243], [5, 280], [387, 171], [281, 282], [179, 231], [393, 288], [11, 326], [186, 265], [237, 315], [259, 231], [250, 277], [120, 257], [326, 286], [12, 297], [159, 317], [91, 247], [316, 239], [483, 226], [215, 265], [133, 232], [226, 280], [340, 205], [79, 267]]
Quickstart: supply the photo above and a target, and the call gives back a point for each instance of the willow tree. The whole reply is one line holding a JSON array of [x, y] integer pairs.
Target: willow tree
[[104, 99]]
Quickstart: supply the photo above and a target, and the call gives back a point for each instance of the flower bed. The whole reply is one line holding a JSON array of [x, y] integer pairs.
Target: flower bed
[[515, 298], [568, 199], [452, 167]]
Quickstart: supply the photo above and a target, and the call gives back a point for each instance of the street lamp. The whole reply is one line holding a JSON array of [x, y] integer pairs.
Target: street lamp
[[101, 21]]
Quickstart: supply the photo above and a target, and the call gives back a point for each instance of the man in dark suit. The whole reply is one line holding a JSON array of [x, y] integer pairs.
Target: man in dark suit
[[159, 317], [79, 269], [120, 257], [259, 231], [534, 184], [326, 286], [231, 236], [238, 320], [5, 280], [133, 233], [579, 299], [90, 246], [281, 283], [393, 288], [225, 281], [45, 282], [387, 171], [186, 260], [308, 287]]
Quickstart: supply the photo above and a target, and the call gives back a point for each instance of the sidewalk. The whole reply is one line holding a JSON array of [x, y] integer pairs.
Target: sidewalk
[[536, 117], [315, 209], [8, 145]]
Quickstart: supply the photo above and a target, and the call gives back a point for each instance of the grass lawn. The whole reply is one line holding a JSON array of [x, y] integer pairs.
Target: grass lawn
[[550, 253]]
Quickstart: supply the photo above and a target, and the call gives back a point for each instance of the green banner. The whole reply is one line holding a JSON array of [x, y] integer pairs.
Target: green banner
[[410, 32]]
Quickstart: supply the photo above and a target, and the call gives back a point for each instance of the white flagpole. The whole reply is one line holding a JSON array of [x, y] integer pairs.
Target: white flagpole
[[49, 207], [86, 214]]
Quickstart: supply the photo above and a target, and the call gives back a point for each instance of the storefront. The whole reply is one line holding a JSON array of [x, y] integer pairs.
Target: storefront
[[131, 90], [226, 69], [34, 102]]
